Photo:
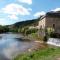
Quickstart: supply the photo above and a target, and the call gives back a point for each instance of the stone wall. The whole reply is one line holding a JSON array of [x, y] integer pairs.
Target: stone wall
[[42, 23], [53, 22], [49, 22]]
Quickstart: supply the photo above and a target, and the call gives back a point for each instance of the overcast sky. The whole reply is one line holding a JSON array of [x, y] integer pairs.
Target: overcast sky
[[12, 11]]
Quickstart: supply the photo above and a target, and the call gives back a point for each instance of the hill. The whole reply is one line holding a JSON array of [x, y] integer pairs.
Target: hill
[[33, 22]]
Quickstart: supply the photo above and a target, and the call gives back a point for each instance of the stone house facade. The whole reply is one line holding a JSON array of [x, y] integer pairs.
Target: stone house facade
[[50, 20]]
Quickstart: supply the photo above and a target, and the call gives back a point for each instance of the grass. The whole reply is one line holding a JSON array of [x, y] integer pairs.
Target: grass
[[36, 37], [42, 54]]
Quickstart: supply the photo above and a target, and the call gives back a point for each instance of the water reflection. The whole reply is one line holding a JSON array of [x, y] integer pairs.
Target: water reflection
[[2, 57], [10, 45]]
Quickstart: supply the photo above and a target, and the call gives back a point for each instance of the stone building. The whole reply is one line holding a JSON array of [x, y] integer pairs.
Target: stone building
[[50, 20]]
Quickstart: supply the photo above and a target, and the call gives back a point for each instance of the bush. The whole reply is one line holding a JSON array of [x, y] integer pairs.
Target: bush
[[55, 35], [29, 31], [45, 38]]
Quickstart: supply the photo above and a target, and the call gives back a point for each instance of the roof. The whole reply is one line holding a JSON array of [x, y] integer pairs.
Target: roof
[[51, 14]]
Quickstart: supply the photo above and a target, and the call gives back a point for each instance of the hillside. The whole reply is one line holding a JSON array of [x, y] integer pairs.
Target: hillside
[[26, 23]]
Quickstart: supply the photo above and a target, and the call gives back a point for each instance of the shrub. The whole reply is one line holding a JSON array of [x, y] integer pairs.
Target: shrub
[[29, 31], [55, 35], [45, 38]]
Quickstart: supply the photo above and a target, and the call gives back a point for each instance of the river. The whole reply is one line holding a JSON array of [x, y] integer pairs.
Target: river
[[10, 45]]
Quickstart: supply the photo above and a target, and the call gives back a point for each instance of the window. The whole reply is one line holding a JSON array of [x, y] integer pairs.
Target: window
[[53, 25]]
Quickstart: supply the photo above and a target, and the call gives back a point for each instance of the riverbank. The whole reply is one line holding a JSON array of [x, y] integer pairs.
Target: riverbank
[[40, 51], [37, 45], [32, 37], [50, 53], [11, 45]]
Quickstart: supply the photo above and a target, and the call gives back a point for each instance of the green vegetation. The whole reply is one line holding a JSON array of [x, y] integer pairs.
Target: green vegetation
[[33, 22], [50, 32], [4, 29], [19, 26], [30, 31], [42, 54], [23, 26], [36, 36]]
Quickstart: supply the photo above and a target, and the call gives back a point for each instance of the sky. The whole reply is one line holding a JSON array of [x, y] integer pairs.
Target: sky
[[12, 11]]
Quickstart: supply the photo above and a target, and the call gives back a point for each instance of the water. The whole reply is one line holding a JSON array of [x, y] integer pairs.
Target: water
[[10, 45], [54, 41]]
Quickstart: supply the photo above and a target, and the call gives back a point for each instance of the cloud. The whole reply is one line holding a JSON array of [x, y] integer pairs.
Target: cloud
[[29, 9], [13, 17], [55, 10], [16, 9], [26, 1], [11, 12], [38, 14]]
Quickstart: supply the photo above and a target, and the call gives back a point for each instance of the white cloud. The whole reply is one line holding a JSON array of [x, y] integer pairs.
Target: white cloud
[[38, 14], [16, 9], [13, 17], [29, 9], [55, 10], [7, 21], [26, 1], [12, 12]]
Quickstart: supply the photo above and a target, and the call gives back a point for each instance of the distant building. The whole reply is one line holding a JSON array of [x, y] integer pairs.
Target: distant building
[[50, 20]]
